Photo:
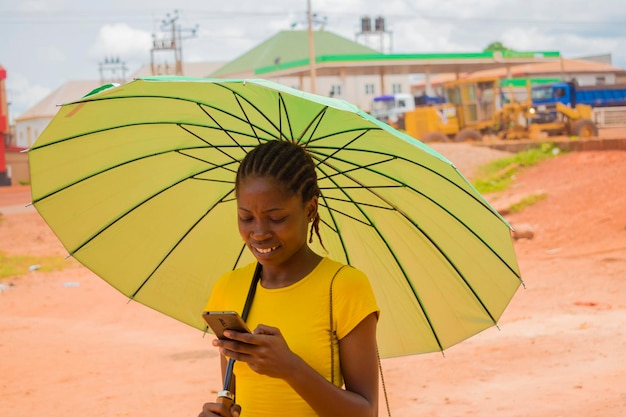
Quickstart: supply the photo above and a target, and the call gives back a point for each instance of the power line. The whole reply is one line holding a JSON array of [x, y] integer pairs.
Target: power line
[[63, 17]]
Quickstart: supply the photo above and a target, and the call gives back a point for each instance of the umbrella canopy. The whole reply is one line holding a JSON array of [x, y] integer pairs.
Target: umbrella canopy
[[137, 182]]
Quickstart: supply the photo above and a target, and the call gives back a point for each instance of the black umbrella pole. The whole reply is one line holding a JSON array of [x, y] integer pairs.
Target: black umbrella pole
[[226, 396]]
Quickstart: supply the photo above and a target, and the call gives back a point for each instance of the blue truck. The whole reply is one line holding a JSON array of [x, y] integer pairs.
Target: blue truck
[[570, 94], [551, 102]]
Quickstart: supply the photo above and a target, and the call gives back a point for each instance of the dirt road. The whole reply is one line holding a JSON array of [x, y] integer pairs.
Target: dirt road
[[71, 345]]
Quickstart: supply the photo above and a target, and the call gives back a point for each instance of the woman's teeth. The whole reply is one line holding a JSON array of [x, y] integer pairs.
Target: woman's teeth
[[268, 250]]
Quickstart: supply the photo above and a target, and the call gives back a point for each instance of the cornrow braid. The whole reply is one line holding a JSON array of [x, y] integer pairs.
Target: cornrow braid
[[288, 163]]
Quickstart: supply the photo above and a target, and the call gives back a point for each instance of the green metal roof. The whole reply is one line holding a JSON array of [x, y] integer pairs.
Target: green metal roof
[[376, 56], [523, 82], [290, 47]]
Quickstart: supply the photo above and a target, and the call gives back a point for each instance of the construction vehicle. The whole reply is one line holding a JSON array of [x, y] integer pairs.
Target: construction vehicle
[[486, 106], [392, 107]]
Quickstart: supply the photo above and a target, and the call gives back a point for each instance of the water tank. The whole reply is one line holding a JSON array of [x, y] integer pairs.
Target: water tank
[[379, 24], [366, 24]]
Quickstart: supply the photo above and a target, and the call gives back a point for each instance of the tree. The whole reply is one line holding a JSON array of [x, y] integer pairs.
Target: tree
[[497, 46]]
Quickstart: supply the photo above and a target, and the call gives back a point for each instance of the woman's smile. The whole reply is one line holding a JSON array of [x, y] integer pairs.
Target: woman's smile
[[265, 250]]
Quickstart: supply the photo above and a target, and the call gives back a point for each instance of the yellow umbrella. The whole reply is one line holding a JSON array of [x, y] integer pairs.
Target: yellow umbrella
[[137, 182]]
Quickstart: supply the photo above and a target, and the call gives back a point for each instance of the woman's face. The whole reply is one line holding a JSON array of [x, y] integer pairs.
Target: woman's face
[[272, 222]]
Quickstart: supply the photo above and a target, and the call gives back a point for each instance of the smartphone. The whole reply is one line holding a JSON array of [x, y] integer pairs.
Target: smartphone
[[219, 321]]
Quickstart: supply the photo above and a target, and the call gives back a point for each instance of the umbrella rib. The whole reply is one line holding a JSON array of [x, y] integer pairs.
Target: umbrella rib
[[343, 147], [71, 252], [243, 248], [367, 167], [237, 94], [227, 132], [164, 258], [403, 214], [336, 230], [130, 161], [360, 203], [219, 148], [282, 106], [247, 119], [279, 127], [317, 120], [334, 210], [323, 157], [398, 263]]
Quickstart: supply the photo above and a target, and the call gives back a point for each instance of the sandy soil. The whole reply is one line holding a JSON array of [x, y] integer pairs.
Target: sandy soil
[[71, 345]]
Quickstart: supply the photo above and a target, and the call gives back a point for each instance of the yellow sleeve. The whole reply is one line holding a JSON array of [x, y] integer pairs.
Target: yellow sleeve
[[353, 300], [216, 299]]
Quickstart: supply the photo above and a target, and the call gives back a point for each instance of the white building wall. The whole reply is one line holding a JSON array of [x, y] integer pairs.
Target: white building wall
[[27, 131], [358, 90], [594, 79]]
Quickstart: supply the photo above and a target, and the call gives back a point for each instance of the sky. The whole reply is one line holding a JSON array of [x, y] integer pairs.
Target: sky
[[45, 43]]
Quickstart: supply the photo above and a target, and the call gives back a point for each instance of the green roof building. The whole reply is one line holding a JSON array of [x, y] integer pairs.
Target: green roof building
[[349, 70]]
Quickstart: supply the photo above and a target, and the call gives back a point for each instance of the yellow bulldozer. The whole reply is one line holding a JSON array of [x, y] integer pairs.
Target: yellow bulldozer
[[486, 106]]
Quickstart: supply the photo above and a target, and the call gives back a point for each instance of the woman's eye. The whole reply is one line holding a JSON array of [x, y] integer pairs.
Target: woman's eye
[[245, 219], [279, 220]]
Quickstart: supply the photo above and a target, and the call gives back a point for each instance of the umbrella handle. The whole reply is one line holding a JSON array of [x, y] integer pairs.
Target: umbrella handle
[[226, 398]]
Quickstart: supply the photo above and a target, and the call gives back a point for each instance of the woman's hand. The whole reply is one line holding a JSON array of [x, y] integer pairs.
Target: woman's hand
[[219, 410], [264, 350]]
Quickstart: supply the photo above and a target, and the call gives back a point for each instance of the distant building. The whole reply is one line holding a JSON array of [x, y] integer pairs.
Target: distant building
[[343, 69], [354, 72], [583, 72], [30, 124]]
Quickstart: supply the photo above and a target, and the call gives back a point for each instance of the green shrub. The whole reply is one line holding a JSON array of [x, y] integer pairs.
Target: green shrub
[[498, 175], [527, 201], [21, 264]]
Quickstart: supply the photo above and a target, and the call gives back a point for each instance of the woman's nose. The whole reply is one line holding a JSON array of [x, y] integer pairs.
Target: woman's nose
[[260, 231]]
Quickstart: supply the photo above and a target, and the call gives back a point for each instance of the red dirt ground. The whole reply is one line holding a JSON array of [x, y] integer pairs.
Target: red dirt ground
[[72, 345]]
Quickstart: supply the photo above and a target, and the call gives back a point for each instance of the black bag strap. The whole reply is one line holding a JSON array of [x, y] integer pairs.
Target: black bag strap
[[251, 291], [228, 375]]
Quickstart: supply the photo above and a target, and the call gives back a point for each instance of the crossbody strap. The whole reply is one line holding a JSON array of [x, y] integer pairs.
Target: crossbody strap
[[334, 339], [251, 291], [333, 332], [228, 375]]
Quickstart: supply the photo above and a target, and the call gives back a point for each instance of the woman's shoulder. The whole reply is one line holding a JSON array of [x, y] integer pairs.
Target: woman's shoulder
[[237, 275], [342, 272]]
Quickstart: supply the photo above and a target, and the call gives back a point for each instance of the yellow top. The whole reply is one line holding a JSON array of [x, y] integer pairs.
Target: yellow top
[[302, 313]]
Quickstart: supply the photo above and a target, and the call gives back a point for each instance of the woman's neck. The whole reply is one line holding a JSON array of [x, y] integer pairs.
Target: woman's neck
[[281, 276]]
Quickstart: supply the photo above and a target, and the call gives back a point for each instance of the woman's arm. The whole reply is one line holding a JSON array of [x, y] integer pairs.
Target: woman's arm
[[359, 366], [267, 353]]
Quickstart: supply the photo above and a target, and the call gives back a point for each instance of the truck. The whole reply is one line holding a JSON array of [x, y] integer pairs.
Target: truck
[[489, 106], [392, 107], [570, 94], [552, 100]]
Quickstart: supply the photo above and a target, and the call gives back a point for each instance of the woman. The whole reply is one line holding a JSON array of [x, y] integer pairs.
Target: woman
[[313, 348]]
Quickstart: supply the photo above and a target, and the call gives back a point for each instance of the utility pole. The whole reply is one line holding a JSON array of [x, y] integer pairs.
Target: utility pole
[[112, 70], [170, 42], [311, 48]]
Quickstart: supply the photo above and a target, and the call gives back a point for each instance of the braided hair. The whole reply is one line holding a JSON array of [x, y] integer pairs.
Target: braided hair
[[288, 163]]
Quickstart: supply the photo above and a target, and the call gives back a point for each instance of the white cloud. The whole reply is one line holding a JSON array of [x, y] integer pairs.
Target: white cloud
[[80, 35], [51, 53], [527, 39], [121, 40], [22, 94]]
